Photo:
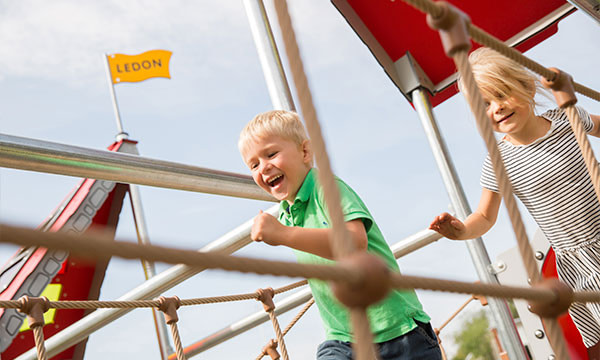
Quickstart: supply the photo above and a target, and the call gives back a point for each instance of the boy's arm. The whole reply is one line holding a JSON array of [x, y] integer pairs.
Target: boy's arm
[[315, 241], [596, 130], [475, 225]]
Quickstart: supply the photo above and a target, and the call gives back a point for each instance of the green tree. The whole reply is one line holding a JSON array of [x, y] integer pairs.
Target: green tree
[[474, 339]]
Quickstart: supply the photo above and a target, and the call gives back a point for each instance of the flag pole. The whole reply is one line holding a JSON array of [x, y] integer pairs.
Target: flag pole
[[122, 134], [164, 345]]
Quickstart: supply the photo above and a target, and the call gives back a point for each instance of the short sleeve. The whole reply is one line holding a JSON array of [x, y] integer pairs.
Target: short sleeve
[[586, 120], [488, 177], [352, 206]]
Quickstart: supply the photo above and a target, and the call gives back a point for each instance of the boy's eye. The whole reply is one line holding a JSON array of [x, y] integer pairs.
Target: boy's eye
[[271, 154], [253, 166]]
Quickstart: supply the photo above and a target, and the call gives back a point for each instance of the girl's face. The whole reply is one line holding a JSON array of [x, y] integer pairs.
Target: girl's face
[[509, 115]]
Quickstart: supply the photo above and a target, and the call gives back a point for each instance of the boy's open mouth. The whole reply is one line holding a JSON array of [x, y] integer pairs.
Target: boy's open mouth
[[505, 118], [275, 181]]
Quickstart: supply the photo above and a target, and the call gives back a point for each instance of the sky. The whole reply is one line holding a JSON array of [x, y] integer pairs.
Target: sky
[[53, 87]]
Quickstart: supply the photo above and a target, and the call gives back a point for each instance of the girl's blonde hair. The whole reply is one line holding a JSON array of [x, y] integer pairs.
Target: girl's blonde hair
[[499, 78], [285, 124]]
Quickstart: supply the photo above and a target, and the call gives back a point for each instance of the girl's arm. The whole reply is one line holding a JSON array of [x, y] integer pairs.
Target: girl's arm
[[315, 241], [475, 225], [596, 130]]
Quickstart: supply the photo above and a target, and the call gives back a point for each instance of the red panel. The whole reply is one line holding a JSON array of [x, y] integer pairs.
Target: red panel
[[577, 350], [80, 279], [398, 27]]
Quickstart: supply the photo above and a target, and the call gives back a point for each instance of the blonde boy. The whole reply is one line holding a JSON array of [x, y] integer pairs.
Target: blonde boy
[[275, 147]]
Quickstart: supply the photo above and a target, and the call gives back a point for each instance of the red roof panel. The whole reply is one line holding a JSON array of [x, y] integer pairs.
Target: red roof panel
[[398, 27]]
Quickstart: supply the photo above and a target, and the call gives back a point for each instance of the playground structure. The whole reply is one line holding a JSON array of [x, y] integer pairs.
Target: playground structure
[[71, 151]]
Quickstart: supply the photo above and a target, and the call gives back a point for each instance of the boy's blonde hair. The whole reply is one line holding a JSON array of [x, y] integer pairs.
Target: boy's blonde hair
[[499, 78], [282, 123]]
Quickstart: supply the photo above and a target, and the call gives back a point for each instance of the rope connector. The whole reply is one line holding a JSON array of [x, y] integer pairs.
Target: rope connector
[[34, 308], [373, 286], [563, 298], [271, 350], [452, 26], [266, 297], [169, 306], [562, 88]]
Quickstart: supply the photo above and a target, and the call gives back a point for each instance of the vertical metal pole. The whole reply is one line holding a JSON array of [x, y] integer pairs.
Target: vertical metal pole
[[503, 319], [164, 345], [149, 270], [279, 90], [122, 134]]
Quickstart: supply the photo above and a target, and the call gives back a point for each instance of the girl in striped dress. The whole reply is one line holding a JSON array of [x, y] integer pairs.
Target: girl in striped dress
[[549, 176]]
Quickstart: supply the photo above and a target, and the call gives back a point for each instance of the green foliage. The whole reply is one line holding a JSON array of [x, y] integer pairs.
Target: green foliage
[[475, 339], [513, 309]]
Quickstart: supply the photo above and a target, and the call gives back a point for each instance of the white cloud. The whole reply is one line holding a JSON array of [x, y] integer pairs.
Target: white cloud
[[66, 39]]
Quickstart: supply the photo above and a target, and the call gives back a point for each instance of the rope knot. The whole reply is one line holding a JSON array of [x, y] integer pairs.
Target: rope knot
[[562, 88], [271, 350], [169, 306], [266, 297], [563, 297], [373, 285], [34, 308], [452, 25]]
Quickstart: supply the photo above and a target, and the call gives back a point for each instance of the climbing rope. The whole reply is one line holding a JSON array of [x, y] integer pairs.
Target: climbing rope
[[101, 248], [340, 240], [266, 297], [341, 243], [287, 329]]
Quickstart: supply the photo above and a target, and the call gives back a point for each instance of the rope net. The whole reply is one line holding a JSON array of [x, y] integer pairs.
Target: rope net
[[98, 247]]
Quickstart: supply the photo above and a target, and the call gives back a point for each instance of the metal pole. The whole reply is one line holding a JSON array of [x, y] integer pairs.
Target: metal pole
[[228, 243], [139, 219], [279, 91], [44, 156], [122, 134], [503, 319], [401, 248]]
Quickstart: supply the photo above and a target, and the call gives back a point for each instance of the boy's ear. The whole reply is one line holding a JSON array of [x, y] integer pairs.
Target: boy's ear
[[307, 154]]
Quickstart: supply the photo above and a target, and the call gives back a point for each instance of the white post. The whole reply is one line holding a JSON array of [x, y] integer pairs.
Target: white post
[[122, 134]]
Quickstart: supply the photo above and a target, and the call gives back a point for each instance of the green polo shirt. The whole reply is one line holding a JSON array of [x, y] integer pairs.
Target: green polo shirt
[[389, 318]]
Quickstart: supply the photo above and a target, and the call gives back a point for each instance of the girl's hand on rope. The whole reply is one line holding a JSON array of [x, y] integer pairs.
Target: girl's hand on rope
[[267, 229], [448, 226]]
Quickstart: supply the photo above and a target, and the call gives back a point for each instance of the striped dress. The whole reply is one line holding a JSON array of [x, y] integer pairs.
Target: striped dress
[[550, 178]]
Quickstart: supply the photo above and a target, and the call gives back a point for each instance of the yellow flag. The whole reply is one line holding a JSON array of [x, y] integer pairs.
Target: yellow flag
[[134, 68]]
